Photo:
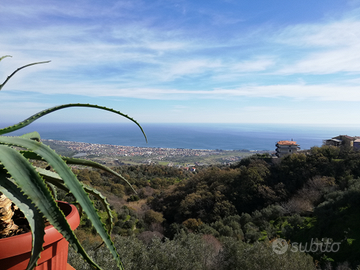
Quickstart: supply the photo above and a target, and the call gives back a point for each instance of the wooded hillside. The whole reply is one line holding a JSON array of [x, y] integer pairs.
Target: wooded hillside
[[227, 209]]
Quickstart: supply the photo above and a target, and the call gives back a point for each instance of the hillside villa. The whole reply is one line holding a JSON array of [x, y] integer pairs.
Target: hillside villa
[[344, 140], [284, 148]]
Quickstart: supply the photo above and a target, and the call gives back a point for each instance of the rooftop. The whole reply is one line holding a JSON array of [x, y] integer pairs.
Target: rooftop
[[286, 143]]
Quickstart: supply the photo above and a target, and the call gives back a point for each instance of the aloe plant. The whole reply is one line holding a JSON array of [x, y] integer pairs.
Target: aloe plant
[[28, 187]]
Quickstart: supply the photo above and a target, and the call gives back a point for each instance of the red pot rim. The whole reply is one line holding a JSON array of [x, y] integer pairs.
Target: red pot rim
[[19, 244]]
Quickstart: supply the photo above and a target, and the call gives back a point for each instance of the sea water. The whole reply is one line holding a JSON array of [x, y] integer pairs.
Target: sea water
[[191, 136]]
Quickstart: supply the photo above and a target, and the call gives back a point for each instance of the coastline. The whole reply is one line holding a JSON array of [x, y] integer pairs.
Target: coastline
[[119, 155], [188, 136], [232, 137]]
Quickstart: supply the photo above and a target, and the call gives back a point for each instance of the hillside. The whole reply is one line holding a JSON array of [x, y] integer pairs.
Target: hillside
[[309, 199]]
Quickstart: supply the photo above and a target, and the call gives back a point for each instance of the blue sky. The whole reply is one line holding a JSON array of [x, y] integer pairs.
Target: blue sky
[[180, 61]]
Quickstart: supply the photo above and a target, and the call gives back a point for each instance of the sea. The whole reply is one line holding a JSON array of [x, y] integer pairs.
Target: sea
[[259, 137]]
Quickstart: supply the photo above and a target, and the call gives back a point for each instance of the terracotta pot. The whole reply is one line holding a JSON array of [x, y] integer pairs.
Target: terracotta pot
[[15, 251]]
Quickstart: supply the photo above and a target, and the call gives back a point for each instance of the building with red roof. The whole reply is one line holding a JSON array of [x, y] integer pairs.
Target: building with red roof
[[284, 148]]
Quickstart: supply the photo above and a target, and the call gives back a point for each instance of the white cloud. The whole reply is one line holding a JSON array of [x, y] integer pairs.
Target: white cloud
[[328, 62], [327, 34], [296, 91], [302, 91], [322, 48], [259, 64], [111, 52], [172, 71], [71, 9], [232, 70]]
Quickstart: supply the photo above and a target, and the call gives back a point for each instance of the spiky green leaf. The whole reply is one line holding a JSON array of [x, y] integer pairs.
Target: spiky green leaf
[[76, 188], [32, 214], [30, 155], [53, 109], [26, 177], [32, 136], [20, 68], [84, 162], [56, 180], [2, 57]]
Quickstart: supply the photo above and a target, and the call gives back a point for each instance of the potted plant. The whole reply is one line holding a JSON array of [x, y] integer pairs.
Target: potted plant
[[15, 251], [32, 189]]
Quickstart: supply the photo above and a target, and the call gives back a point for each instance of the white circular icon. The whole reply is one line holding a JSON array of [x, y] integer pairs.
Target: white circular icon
[[280, 246]]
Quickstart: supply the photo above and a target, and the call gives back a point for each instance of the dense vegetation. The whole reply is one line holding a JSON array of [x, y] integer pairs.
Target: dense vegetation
[[226, 217]]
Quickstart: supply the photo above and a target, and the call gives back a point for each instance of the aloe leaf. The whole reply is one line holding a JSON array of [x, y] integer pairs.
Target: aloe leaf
[[32, 136], [104, 202], [34, 186], [52, 189], [77, 161], [53, 109], [84, 162], [2, 57], [20, 68], [74, 186], [53, 178], [32, 214], [50, 176], [30, 155], [56, 180]]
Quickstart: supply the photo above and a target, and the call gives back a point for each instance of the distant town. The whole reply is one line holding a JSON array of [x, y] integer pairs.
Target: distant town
[[117, 155], [132, 155]]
